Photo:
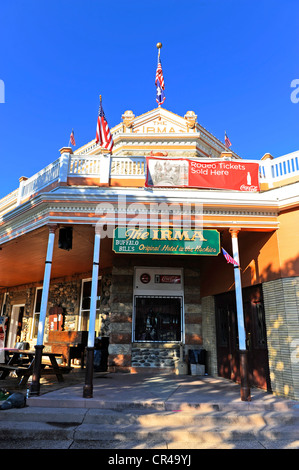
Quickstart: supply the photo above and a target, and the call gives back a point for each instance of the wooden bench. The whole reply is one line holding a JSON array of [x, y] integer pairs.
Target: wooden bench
[[7, 367], [50, 370]]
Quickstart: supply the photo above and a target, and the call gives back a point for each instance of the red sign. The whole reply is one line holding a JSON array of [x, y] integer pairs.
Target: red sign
[[234, 174], [167, 279]]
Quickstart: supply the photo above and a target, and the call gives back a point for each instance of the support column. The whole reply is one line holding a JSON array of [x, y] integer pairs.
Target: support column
[[88, 387], [35, 385], [245, 389]]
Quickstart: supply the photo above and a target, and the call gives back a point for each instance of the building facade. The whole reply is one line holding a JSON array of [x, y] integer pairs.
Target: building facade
[[164, 286]]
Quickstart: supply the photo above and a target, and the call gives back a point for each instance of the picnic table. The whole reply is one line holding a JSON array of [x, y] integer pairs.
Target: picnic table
[[22, 362]]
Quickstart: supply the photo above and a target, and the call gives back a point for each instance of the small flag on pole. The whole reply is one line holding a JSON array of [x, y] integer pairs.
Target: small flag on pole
[[159, 80], [103, 134], [72, 138], [227, 141], [228, 258]]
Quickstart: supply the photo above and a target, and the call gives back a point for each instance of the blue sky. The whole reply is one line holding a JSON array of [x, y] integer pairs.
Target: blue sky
[[232, 62]]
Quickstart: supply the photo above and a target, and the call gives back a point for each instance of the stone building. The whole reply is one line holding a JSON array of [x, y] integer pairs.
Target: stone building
[[166, 289]]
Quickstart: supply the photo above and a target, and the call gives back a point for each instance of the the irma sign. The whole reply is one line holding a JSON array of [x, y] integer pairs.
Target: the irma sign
[[166, 241], [181, 172]]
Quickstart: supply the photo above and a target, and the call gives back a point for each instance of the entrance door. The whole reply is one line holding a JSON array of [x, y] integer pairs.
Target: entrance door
[[227, 337], [256, 340], [256, 337], [15, 325]]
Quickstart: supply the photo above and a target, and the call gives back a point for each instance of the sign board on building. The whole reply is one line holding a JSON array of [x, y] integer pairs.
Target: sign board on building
[[181, 172], [172, 241]]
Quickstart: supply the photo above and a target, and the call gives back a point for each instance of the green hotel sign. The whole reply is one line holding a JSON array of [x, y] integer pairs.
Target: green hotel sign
[[166, 241]]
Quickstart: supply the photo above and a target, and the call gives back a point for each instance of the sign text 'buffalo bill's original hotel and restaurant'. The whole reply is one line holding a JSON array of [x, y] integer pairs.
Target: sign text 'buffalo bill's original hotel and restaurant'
[[191, 247]]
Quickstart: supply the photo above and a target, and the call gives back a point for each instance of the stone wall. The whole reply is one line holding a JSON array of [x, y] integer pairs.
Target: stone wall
[[155, 355], [66, 295], [193, 317], [281, 303], [121, 306], [209, 334], [105, 307]]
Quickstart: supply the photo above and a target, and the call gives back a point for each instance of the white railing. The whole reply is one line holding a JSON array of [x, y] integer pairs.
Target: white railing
[[280, 168], [80, 165], [105, 167], [96, 165], [9, 202], [127, 166], [40, 180]]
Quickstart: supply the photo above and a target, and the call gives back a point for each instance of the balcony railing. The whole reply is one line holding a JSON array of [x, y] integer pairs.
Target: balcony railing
[[106, 167], [282, 168]]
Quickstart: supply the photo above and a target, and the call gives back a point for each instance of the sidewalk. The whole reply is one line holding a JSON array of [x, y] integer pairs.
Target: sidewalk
[[142, 411], [163, 392]]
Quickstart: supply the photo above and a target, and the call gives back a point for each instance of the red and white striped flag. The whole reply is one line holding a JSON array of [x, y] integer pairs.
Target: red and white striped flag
[[229, 258], [159, 74], [227, 142], [103, 134], [72, 138]]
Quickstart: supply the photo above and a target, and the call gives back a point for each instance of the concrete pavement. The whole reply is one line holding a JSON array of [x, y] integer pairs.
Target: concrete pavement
[[139, 411], [161, 392]]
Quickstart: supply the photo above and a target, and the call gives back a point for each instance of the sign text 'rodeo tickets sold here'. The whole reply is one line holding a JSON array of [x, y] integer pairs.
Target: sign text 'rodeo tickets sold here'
[[166, 241], [230, 175]]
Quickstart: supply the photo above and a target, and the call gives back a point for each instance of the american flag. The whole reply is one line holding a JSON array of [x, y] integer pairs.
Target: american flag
[[72, 138], [227, 141], [228, 258], [103, 134], [160, 97], [159, 82], [159, 74]]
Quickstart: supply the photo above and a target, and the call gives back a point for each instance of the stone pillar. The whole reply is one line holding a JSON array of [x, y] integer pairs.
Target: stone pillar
[[281, 303], [121, 304], [209, 333], [192, 307]]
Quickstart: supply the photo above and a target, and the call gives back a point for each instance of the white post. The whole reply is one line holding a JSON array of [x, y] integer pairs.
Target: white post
[[46, 284], [20, 192], [94, 290], [268, 173], [238, 289], [35, 384], [245, 388], [64, 167], [88, 386], [105, 168]]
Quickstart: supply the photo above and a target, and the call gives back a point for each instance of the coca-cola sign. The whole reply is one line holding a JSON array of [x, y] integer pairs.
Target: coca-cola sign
[[235, 175]]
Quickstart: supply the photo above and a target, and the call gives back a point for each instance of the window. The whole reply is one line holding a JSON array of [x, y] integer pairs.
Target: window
[[158, 318], [85, 305], [36, 311]]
